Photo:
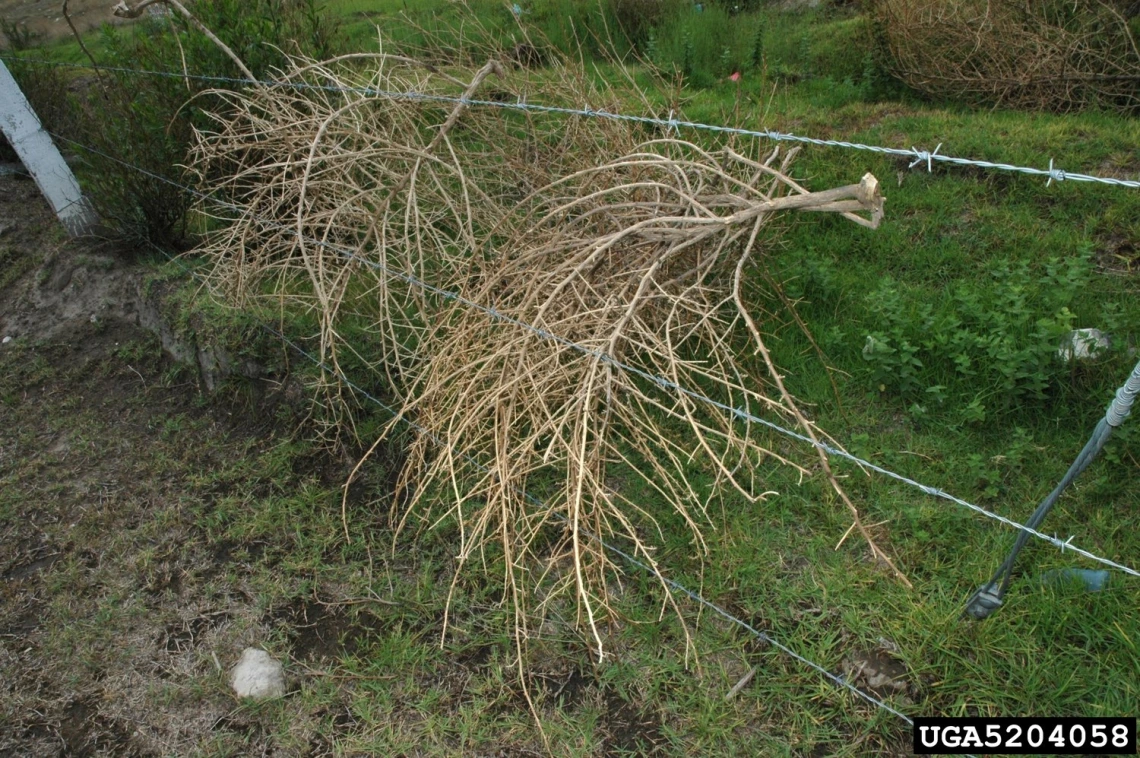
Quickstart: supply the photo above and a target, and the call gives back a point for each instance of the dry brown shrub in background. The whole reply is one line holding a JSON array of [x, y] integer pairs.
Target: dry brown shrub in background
[[1036, 54], [636, 251]]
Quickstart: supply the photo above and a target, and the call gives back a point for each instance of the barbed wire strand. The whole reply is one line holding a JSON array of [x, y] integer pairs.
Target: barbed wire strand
[[740, 413], [929, 157]]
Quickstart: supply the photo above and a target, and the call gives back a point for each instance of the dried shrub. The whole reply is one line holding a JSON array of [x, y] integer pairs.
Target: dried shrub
[[639, 261], [402, 183], [637, 250], [1054, 55]]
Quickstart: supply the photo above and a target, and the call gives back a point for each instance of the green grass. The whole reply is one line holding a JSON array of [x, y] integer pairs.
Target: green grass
[[1050, 651]]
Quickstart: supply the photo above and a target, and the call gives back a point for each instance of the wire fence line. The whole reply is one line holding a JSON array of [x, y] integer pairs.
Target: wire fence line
[[696, 597], [671, 124], [666, 384]]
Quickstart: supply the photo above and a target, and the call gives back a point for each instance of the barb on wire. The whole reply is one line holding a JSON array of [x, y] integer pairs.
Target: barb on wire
[[924, 156], [1053, 174], [740, 413]]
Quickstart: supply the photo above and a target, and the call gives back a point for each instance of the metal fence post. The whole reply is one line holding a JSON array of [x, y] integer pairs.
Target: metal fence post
[[39, 155]]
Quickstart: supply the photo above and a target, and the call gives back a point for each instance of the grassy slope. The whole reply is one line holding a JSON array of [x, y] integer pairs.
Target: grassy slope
[[1050, 651]]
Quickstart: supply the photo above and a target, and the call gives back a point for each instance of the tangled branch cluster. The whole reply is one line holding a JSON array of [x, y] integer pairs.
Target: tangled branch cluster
[[640, 261], [1053, 55], [612, 247]]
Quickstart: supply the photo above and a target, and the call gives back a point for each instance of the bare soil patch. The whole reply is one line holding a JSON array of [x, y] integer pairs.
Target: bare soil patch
[[119, 612], [44, 18]]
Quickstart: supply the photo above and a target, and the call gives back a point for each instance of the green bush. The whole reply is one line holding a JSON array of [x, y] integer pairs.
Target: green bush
[[590, 28], [706, 42], [709, 44], [636, 18], [983, 349], [706, 45]]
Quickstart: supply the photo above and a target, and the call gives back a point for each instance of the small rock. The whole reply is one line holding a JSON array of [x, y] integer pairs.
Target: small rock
[[1083, 345], [6, 340], [257, 675]]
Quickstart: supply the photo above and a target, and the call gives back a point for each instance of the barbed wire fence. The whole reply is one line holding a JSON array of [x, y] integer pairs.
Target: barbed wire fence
[[1117, 411], [671, 124]]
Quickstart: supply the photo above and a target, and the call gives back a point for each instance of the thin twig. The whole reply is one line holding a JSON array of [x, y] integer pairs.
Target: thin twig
[[122, 10]]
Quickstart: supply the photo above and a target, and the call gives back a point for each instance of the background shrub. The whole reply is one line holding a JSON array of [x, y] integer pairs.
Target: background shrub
[[636, 18], [705, 45], [1056, 54], [149, 121]]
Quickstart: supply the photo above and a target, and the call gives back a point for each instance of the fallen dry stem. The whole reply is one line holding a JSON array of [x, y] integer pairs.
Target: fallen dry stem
[[614, 267], [620, 261]]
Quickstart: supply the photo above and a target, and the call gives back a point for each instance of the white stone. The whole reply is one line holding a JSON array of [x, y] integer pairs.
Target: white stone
[[7, 339], [257, 675], [1083, 345]]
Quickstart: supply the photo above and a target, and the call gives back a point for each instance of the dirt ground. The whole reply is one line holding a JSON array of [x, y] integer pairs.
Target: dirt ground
[[44, 18], [119, 612], [150, 531]]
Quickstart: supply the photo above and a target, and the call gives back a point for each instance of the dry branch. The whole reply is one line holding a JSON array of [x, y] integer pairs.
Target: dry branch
[[629, 260], [635, 252]]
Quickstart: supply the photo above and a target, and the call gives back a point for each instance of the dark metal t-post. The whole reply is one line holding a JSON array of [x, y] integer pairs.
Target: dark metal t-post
[[988, 598]]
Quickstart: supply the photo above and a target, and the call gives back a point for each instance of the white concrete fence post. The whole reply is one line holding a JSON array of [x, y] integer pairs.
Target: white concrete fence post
[[39, 155]]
